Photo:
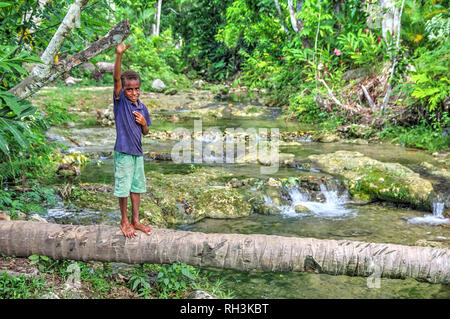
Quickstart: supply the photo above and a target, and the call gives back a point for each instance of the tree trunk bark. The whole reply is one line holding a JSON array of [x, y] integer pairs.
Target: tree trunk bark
[[50, 71], [232, 251], [395, 25], [297, 24], [280, 15], [158, 17], [391, 18]]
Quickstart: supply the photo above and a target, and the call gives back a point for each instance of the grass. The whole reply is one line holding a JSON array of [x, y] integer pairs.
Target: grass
[[21, 287], [419, 136], [99, 281]]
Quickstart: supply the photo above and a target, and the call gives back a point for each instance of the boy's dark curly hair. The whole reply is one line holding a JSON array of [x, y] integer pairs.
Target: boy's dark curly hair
[[129, 75]]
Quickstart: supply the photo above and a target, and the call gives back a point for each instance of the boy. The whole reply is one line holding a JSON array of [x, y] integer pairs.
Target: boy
[[132, 119]]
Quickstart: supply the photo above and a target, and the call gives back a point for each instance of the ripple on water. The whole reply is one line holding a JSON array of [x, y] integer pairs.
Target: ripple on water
[[81, 216], [284, 285]]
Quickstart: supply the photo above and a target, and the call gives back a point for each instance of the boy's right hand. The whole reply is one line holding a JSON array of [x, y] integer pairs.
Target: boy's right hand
[[121, 47]]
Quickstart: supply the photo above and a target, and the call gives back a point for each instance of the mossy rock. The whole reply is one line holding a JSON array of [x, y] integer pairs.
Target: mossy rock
[[359, 131], [325, 137], [188, 198], [171, 91], [300, 209], [368, 179], [260, 206]]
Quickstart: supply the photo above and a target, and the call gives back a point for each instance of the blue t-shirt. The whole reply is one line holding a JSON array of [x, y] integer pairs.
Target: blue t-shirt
[[128, 132]]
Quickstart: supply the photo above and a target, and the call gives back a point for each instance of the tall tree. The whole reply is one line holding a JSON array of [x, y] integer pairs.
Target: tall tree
[[392, 23], [390, 19], [48, 70], [156, 26], [297, 23]]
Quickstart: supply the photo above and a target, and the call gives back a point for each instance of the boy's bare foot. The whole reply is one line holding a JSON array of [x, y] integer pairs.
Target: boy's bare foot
[[145, 228], [128, 230]]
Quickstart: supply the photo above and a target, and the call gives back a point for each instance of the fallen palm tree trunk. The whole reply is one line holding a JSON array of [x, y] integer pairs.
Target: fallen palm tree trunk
[[232, 251]]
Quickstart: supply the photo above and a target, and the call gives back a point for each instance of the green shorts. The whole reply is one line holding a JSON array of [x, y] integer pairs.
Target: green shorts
[[129, 174]]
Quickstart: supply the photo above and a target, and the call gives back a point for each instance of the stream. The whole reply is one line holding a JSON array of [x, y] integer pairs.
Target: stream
[[335, 216]]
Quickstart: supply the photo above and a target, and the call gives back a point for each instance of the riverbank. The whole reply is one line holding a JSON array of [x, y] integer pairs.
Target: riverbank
[[283, 207], [39, 277]]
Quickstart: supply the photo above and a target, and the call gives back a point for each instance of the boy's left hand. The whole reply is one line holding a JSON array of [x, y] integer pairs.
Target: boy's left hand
[[140, 119]]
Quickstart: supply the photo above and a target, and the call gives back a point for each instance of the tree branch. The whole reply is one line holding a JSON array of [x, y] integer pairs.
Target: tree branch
[[297, 24], [368, 97], [330, 94], [36, 81]]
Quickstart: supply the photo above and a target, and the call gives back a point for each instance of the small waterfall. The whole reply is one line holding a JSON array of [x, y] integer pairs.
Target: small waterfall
[[435, 219], [438, 209], [332, 207]]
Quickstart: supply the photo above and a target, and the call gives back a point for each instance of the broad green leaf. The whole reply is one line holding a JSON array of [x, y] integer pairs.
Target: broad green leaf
[[3, 145], [7, 125], [187, 273], [135, 284], [12, 103]]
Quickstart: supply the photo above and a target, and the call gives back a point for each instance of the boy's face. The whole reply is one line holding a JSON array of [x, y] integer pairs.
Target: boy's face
[[131, 89]]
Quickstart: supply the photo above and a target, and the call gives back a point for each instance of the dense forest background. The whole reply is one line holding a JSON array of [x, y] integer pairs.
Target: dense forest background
[[382, 64]]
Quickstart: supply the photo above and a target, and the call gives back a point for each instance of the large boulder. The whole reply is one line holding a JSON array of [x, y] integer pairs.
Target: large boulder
[[72, 81], [188, 198], [368, 179], [105, 67], [158, 85]]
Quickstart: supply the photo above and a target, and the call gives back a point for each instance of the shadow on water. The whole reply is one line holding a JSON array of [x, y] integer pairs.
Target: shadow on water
[[284, 285]]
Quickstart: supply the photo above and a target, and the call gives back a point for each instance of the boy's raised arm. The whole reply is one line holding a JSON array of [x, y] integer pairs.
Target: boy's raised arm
[[120, 49]]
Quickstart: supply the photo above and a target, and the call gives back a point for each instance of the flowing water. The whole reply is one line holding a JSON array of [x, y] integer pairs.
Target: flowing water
[[335, 217]]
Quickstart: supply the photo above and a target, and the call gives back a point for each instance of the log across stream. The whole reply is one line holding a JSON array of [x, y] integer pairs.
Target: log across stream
[[228, 251]]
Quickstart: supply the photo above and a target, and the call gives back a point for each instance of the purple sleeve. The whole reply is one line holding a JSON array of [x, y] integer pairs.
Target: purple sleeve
[[147, 116]]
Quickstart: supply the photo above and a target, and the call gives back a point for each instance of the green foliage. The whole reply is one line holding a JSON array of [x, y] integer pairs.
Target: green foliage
[[44, 263], [15, 114], [27, 151], [438, 28], [56, 112], [172, 281], [311, 12], [432, 85], [28, 26], [352, 16], [197, 23], [176, 277], [22, 140], [424, 136], [11, 61], [362, 48], [258, 70], [21, 287], [138, 283], [422, 21], [305, 108], [12, 123], [26, 202], [151, 56]]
